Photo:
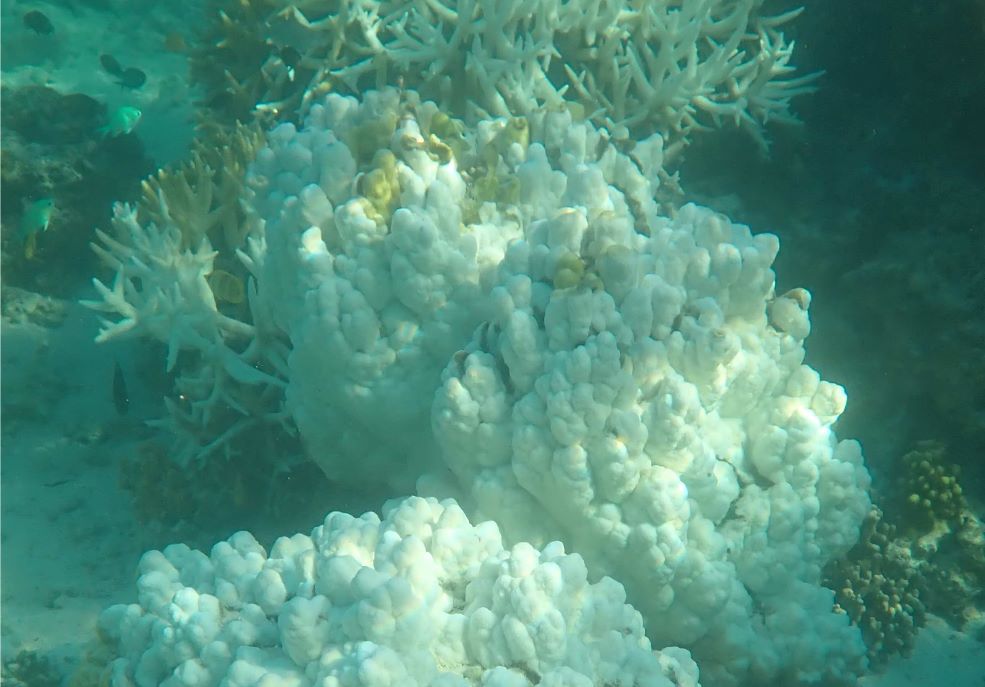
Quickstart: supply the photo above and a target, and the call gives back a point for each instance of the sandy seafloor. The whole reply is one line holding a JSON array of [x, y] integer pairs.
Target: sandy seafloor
[[69, 542]]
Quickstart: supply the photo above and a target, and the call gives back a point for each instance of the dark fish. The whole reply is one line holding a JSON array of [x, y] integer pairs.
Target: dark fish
[[121, 398], [132, 78], [39, 23], [290, 56], [111, 65]]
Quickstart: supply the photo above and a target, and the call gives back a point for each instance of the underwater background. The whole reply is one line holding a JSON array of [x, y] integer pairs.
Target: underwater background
[[877, 196]]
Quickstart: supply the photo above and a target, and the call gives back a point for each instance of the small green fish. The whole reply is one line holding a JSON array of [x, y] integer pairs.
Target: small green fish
[[121, 122], [36, 217]]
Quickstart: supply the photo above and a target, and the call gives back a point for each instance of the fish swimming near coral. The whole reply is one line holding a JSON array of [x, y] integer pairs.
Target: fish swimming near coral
[[291, 57], [131, 77], [39, 23], [227, 287], [35, 220], [121, 122]]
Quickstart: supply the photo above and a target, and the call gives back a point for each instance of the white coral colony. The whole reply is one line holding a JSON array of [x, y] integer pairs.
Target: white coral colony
[[419, 597], [498, 311]]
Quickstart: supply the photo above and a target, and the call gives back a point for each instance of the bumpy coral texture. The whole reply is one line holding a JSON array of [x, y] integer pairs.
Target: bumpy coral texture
[[498, 311], [656, 414], [376, 282], [418, 598], [633, 386]]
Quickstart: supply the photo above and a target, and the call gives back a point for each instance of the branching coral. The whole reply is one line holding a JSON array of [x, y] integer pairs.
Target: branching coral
[[178, 279], [201, 196], [671, 67], [161, 290]]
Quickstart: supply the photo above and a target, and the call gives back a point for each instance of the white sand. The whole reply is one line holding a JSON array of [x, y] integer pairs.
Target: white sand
[[69, 543]]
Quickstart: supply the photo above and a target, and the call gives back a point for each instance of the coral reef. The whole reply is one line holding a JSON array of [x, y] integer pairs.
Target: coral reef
[[196, 301], [570, 363], [418, 597], [589, 370], [480, 294]]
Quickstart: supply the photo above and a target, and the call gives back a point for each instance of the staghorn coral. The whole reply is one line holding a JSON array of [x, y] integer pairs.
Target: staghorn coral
[[228, 58], [670, 67], [179, 280], [202, 195], [161, 290]]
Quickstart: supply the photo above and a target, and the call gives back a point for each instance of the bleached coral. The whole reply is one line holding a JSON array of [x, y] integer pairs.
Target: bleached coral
[[497, 309], [419, 598], [664, 66], [160, 287], [655, 421], [161, 290], [633, 386], [374, 304], [670, 66]]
